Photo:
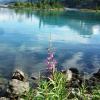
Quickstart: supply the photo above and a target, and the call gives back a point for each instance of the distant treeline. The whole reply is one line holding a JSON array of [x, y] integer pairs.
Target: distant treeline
[[39, 4], [94, 4]]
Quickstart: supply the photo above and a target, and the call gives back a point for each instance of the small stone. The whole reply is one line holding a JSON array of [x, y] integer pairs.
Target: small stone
[[72, 74], [21, 99], [69, 75], [34, 77]]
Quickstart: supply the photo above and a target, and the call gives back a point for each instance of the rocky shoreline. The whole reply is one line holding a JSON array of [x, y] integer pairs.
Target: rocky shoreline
[[20, 83]]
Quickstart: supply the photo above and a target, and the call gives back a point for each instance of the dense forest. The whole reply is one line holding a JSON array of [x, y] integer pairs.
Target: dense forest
[[92, 4], [83, 3]]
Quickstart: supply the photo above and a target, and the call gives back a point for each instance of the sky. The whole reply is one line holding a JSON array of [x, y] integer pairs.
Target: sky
[[2, 1]]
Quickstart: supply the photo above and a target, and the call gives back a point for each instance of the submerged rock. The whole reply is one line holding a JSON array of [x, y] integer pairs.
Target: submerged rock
[[95, 79], [46, 74], [97, 75], [34, 78]]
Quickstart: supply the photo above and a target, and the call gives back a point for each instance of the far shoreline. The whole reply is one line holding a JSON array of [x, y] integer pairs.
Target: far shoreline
[[51, 9]]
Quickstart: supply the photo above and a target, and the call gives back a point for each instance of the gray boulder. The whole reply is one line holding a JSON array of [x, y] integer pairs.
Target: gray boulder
[[18, 85], [19, 75], [4, 98], [17, 88]]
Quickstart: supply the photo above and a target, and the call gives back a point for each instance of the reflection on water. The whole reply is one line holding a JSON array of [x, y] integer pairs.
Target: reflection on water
[[24, 37]]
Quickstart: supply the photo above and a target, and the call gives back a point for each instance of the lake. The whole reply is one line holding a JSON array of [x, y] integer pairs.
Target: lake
[[25, 36]]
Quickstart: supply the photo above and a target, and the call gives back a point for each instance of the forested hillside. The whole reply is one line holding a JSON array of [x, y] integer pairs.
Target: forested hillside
[[92, 4], [83, 3]]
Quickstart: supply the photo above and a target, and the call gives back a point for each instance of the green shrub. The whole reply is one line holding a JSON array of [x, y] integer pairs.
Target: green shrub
[[39, 5], [58, 5], [55, 89], [96, 93], [17, 4], [29, 4]]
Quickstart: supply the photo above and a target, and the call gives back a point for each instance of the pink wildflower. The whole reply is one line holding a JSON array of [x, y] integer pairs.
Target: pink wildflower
[[50, 61]]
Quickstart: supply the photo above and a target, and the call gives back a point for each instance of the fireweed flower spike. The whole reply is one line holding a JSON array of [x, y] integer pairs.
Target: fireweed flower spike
[[51, 61]]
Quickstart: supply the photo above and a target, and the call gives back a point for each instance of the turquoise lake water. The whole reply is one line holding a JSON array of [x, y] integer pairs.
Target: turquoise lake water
[[24, 39]]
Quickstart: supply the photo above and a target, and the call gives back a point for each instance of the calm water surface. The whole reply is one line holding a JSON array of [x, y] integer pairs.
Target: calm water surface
[[24, 39]]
